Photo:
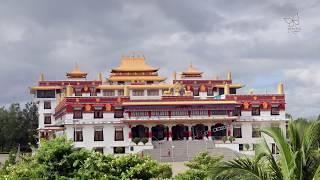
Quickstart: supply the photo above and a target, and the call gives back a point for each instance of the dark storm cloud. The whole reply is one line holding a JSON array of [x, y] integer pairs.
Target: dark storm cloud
[[246, 37]]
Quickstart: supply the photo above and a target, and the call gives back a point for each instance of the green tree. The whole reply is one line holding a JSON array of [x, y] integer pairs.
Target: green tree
[[58, 159], [199, 167], [298, 158], [18, 127]]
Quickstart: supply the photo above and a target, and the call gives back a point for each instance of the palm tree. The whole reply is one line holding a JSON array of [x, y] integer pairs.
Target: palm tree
[[298, 158]]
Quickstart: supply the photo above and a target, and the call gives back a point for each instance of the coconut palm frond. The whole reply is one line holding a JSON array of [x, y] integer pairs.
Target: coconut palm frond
[[286, 156], [243, 168]]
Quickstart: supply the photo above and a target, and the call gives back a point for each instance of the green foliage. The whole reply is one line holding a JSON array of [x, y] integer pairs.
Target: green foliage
[[18, 126], [298, 158], [224, 139], [200, 167], [136, 140], [247, 146], [231, 139], [58, 159], [144, 140]]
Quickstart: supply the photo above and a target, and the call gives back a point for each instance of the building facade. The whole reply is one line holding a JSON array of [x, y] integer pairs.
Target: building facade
[[136, 104]]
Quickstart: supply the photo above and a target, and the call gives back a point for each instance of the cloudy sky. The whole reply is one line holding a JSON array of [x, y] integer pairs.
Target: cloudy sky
[[248, 37]]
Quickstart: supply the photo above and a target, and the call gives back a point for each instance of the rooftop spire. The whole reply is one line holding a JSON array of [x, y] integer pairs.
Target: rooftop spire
[[76, 72]]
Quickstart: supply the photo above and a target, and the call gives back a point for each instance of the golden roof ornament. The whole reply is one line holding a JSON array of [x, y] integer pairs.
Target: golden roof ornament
[[133, 63], [41, 77], [76, 73]]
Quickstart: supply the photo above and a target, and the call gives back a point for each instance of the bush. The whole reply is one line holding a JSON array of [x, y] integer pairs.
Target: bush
[[224, 139], [144, 140], [136, 140], [231, 139], [247, 146], [58, 159]]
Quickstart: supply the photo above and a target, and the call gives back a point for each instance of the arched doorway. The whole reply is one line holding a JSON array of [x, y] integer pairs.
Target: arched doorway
[[139, 131], [179, 132], [218, 130], [159, 132], [199, 131]]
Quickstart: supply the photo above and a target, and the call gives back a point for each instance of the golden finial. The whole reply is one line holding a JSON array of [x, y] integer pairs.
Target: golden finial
[[41, 78], [251, 91], [280, 88], [229, 76], [174, 75], [99, 76], [226, 89], [217, 77]]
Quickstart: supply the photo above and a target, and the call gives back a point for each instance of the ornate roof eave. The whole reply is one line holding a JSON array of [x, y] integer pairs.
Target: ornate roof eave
[[153, 86]]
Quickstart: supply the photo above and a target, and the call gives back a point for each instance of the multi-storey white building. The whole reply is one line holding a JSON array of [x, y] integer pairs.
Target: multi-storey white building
[[135, 103]]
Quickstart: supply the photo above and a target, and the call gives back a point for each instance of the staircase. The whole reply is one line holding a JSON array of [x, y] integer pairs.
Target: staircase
[[179, 151]]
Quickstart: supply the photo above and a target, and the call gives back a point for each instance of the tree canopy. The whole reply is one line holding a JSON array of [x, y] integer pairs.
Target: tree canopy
[[18, 127]]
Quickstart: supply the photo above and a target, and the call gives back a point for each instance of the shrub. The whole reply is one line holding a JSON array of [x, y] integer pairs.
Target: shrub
[[136, 140], [144, 140], [247, 146], [224, 139], [231, 139]]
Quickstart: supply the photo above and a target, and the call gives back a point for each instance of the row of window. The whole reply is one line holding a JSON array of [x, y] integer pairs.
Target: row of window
[[274, 148], [98, 134], [97, 114], [237, 112], [256, 133]]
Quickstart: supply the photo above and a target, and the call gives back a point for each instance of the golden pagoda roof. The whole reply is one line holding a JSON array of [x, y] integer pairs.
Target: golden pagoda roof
[[137, 78], [76, 73], [148, 103], [133, 63], [192, 70]]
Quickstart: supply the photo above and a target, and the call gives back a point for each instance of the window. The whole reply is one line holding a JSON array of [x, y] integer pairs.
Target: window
[[219, 112], [149, 82], [179, 113], [47, 119], [137, 92], [287, 132], [47, 105], [255, 111], [275, 110], [274, 148], [98, 134], [108, 93], [99, 150], [254, 146], [46, 94], [77, 114], [120, 92], [78, 92], [120, 82], [237, 111], [93, 91], [199, 113], [154, 92], [196, 91], [159, 113], [78, 136], [256, 131], [119, 150], [118, 112], [140, 113], [210, 92], [240, 147], [237, 131], [118, 134], [98, 114]]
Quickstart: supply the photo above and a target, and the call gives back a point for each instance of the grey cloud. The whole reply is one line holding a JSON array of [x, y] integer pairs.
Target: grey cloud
[[247, 37]]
